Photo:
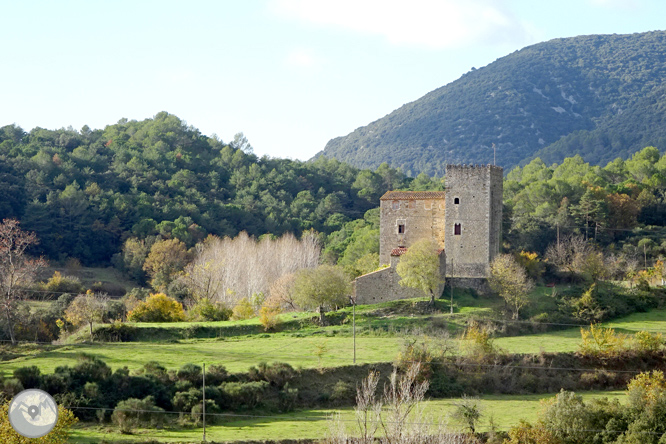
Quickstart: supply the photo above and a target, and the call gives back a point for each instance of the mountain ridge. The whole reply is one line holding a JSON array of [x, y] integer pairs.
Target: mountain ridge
[[527, 103]]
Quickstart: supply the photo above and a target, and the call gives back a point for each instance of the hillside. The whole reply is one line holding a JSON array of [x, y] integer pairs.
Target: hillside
[[600, 96], [84, 192]]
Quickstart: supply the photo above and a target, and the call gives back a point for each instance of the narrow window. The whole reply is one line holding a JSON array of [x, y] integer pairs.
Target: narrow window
[[456, 229], [401, 229], [456, 201]]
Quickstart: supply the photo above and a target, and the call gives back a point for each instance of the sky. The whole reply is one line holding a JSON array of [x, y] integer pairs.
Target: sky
[[289, 74]]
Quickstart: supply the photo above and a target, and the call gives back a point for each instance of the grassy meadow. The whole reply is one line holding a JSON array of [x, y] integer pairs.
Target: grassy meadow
[[504, 410]]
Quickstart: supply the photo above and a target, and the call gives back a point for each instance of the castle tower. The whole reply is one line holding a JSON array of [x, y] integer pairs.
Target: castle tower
[[473, 219], [409, 216]]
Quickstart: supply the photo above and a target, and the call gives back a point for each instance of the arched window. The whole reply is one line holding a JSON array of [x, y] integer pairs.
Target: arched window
[[457, 230], [456, 200]]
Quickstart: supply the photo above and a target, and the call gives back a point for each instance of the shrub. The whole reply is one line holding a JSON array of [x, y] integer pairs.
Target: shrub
[[243, 310], [648, 342], [477, 343], [416, 351], [132, 413], [58, 284], [277, 374], [190, 372], [30, 377], [269, 316], [216, 374], [205, 310], [343, 392], [526, 433], [598, 341], [211, 409], [157, 308], [248, 395], [184, 401]]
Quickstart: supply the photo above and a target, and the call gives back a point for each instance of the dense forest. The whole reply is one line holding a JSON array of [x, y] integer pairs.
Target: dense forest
[[621, 206], [600, 96], [85, 192]]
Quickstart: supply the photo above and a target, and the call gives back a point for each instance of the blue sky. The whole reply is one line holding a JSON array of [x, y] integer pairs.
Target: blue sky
[[290, 74]]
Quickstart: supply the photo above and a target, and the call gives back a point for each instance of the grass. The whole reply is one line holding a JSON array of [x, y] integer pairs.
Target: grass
[[505, 411], [238, 353]]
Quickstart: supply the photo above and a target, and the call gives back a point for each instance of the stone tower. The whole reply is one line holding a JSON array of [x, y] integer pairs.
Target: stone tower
[[473, 219], [408, 216]]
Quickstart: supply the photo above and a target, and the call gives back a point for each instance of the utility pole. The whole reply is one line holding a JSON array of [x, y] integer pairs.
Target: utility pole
[[451, 286], [494, 155], [353, 301], [204, 402]]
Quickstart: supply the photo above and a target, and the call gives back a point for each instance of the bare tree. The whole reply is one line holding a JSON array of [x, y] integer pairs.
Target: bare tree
[[397, 416], [569, 253], [227, 270], [17, 271]]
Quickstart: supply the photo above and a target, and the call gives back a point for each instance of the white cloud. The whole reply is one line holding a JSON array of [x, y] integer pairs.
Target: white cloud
[[301, 58], [430, 23]]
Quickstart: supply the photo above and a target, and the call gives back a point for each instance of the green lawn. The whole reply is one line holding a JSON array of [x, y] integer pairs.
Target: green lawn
[[504, 410]]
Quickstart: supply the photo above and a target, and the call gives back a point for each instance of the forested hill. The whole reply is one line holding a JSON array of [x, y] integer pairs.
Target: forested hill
[[601, 96], [84, 192]]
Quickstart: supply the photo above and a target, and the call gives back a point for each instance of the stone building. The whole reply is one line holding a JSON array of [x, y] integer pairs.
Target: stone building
[[465, 221]]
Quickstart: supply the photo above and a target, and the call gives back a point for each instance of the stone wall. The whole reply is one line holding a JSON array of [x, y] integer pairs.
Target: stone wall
[[474, 211], [421, 214], [384, 285]]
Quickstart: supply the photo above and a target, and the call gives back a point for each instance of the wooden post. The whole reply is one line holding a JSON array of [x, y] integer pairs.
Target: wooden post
[[203, 391]]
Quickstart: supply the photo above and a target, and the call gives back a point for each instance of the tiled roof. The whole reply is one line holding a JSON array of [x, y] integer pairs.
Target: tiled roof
[[413, 195]]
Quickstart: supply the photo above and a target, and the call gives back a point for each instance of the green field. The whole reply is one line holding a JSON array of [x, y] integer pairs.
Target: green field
[[505, 411], [297, 348]]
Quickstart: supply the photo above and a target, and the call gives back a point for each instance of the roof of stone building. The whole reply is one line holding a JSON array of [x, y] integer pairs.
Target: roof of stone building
[[398, 251], [413, 195]]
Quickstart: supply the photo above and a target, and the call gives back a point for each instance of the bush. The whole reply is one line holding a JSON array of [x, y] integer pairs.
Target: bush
[[598, 341], [205, 310], [248, 395], [243, 310], [190, 372], [343, 392], [132, 413], [477, 343], [277, 374], [648, 342], [211, 408], [59, 284], [157, 308], [269, 316], [30, 377]]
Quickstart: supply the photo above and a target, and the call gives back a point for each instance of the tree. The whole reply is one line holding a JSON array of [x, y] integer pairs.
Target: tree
[[419, 268], [17, 271], [86, 309], [568, 253], [166, 259], [509, 280], [157, 308], [321, 288]]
